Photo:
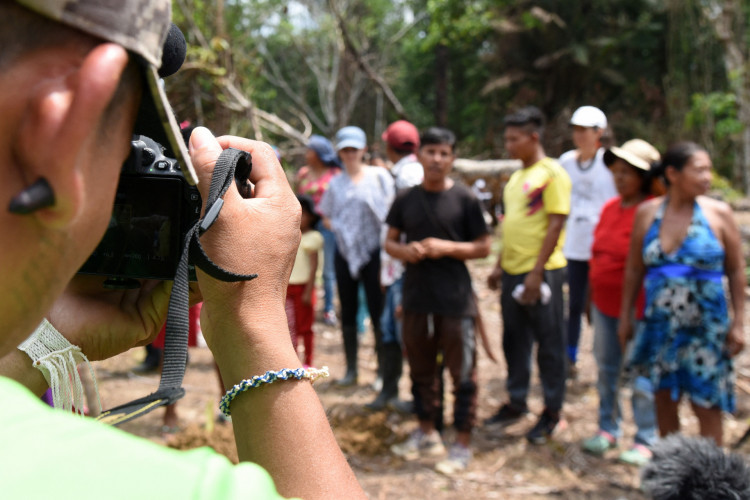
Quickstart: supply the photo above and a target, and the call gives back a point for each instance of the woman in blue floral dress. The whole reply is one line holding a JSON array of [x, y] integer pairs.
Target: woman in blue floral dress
[[684, 244]]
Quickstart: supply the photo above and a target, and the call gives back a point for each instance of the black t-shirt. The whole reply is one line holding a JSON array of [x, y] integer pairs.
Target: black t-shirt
[[438, 286]]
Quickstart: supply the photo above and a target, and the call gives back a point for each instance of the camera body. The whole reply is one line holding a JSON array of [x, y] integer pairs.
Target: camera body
[[154, 209]]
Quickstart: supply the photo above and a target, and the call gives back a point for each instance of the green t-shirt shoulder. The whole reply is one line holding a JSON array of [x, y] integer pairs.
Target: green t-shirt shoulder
[[47, 453]]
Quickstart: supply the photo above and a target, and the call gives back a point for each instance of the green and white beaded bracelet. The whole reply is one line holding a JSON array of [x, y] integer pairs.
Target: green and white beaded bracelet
[[311, 374]]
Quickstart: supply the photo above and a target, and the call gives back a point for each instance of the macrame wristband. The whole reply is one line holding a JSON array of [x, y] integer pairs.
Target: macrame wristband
[[58, 359], [312, 374]]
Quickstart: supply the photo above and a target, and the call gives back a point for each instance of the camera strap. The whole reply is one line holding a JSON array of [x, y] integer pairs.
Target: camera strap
[[232, 164]]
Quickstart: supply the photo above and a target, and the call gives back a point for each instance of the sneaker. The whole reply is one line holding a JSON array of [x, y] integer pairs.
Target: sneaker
[[505, 415], [420, 444], [458, 459], [543, 428], [638, 455], [329, 318], [599, 444]]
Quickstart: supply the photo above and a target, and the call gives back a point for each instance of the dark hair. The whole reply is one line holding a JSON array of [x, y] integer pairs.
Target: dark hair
[[307, 204], [438, 135], [403, 151], [529, 118], [677, 157]]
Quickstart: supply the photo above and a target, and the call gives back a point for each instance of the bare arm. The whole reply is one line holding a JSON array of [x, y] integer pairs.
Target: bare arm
[[408, 252], [734, 266], [436, 248], [281, 426], [534, 278], [17, 366], [493, 280], [635, 270], [310, 284]]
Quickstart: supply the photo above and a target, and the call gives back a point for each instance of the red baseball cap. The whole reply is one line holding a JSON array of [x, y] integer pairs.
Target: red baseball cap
[[402, 136]]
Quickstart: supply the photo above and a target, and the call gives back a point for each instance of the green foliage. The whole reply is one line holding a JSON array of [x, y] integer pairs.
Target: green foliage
[[725, 189], [714, 117], [654, 66], [719, 108]]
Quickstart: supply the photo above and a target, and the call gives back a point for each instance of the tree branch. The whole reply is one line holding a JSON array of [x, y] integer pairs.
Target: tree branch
[[349, 43]]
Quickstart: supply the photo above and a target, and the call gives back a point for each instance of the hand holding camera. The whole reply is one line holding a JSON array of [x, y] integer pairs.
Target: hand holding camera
[[260, 235]]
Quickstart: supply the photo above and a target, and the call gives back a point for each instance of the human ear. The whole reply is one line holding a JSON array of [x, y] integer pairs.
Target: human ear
[[60, 121]]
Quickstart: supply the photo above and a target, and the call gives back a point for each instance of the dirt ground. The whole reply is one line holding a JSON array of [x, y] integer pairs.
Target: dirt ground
[[504, 466]]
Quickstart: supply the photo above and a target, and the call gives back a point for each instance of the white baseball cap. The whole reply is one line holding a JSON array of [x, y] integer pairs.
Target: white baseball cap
[[589, 116]]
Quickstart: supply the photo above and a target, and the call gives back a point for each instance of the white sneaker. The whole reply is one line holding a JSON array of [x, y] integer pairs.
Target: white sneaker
[[420, 444], [458, 459]]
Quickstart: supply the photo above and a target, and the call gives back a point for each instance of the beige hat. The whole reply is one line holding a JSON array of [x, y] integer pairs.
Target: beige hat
[[140, 26], [636, 152]]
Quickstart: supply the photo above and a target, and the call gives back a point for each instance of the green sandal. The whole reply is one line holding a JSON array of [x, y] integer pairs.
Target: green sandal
[[638, 455], [599, 444]]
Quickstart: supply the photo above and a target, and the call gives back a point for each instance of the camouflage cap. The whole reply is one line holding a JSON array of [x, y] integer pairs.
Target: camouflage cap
[[141, 27]]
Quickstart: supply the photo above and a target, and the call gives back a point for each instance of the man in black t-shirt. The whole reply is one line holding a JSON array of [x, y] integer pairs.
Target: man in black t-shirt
[[444, 226]]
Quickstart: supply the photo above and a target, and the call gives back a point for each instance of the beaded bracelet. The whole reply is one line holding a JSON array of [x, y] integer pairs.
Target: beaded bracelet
[[270, 377]]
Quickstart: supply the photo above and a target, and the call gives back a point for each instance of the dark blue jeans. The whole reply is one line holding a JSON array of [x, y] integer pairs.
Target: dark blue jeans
[[609, 359], [329, 270], [578, 284]]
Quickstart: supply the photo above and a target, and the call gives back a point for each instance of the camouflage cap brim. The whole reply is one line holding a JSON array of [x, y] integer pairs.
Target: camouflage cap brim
[[141, 27]]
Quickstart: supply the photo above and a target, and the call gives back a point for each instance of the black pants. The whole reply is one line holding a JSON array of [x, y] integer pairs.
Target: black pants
[[348, 288], [578, 283], [522, 326]]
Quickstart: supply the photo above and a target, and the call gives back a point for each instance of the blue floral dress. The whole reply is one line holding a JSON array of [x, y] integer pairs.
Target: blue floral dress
[[680, 344]]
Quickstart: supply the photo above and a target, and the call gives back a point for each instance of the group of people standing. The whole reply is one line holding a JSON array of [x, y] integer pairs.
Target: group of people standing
[[646, 265], [631, 233]]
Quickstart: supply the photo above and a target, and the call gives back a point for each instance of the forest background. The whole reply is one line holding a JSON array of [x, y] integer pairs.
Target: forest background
[[279, 71]]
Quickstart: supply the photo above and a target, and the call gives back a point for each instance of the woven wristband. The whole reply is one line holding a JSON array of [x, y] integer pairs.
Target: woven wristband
[[57, 359], [311, 374]]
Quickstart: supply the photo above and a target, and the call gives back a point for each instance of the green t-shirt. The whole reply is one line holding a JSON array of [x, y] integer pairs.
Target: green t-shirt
[[46, 453]]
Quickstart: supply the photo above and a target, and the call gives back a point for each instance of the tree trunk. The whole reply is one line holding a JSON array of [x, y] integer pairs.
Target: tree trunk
[[725, 17], [441, 85]]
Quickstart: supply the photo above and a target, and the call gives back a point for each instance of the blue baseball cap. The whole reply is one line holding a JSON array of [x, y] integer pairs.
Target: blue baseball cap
[[351, 137], [324, 149]]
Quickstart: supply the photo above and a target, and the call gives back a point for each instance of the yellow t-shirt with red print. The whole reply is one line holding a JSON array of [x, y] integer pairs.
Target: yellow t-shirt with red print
[[529, 197]]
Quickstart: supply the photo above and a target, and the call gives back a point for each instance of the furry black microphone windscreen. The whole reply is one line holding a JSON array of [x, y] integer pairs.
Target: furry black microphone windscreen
[[694, 468]]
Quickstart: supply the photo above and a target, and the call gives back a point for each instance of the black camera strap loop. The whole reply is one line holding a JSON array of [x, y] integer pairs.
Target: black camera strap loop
[[176, 338]]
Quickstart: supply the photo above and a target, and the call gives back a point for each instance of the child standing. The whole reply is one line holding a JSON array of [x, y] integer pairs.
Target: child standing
[[444, 227], [300, 294]]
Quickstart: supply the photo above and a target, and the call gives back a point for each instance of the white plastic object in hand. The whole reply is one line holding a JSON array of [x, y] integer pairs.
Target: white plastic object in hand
[[545, 293]]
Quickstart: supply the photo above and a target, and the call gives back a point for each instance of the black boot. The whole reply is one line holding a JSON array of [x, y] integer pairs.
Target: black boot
[[392, 361], [350, 351], [152, 361]]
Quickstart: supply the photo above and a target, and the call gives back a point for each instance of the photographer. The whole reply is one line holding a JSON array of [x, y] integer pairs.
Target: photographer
[[67, 108]]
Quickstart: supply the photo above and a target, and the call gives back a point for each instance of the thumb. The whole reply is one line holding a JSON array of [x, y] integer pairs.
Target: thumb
[[204, 151]]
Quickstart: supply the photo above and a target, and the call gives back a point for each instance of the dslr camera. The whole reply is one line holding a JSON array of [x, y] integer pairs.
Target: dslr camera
[[154, 209]]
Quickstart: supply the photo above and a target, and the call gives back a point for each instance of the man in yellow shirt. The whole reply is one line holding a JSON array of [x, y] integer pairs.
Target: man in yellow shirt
[[531, 270]]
